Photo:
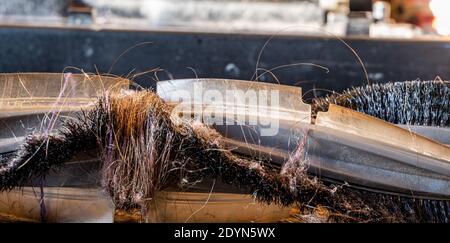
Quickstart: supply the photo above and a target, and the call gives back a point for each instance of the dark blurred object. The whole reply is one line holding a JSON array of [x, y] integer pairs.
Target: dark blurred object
[[360, 5], [359, 17]]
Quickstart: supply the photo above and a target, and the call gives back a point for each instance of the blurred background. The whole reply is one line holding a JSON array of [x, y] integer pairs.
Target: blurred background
[[395, 40], [393, 18]]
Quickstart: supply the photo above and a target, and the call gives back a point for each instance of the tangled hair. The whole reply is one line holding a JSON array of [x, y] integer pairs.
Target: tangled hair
[[144, 148]]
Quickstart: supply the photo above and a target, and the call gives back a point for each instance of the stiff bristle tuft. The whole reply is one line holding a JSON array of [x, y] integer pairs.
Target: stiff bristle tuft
[[42, 153], [425, 103]]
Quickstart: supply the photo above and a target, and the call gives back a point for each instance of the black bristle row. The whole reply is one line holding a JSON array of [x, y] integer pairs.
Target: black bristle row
[[425, 103], [43, 153]]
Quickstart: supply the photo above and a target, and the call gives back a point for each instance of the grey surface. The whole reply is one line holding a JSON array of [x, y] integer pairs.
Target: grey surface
[[439, 134], [234, 14], [32, 8]]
